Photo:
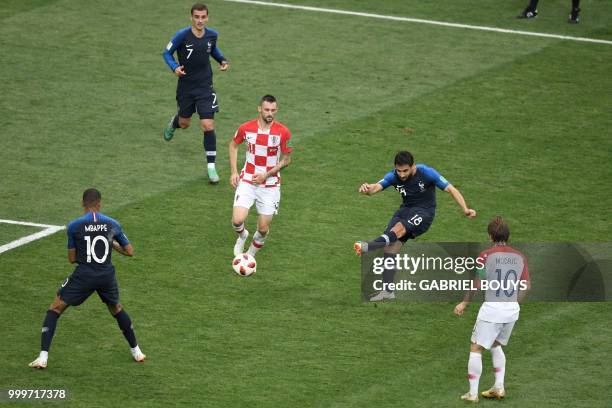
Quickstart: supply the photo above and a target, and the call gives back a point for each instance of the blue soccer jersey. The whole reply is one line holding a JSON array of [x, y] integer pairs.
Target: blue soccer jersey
[[193, 54], [92, 236], [418, 190]]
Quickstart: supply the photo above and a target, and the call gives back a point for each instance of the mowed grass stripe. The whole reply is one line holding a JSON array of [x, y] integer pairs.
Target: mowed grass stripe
[[115, 124]]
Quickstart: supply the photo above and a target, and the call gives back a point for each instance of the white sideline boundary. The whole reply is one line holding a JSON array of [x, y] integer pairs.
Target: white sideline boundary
[[48, 230], [422, 21]]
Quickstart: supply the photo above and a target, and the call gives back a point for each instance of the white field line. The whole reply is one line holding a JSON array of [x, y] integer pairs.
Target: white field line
[[48, 230], [421, 21]]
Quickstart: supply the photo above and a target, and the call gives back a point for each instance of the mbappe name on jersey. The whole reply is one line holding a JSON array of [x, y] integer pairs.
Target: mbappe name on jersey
[[96, 227]]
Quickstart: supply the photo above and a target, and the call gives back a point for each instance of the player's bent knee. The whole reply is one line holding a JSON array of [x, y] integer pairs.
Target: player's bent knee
[[58, 305], [239, 215], [207, 125], [476, 348], [399, 229], [114, 309], [238, 220]]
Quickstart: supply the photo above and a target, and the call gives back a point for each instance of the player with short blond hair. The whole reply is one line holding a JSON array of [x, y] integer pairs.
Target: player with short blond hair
[[194, 45]]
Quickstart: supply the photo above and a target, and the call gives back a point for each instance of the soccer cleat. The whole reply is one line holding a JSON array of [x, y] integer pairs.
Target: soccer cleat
[[360, 247], [169, 130], [213, 177], [469, 397], [527, 13], [382, 295], [239, 246], [574, 17], [497, 393], [38, 363], [139, 357]]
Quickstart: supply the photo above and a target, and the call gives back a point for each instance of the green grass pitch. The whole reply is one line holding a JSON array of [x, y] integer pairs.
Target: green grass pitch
[[520, 124]]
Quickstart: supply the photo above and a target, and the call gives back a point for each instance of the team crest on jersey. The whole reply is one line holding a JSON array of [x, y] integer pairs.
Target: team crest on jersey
[[209, 49], [274, 140], [421, 186]]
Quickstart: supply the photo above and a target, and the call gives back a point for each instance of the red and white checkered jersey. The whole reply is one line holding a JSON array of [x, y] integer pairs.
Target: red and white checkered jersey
[[263, 149]]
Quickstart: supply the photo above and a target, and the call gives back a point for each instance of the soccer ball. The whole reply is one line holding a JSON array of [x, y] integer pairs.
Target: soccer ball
[[244, 265]]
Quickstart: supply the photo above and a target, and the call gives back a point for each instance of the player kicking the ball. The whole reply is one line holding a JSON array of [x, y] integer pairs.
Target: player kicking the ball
[[91, 240], [268, 151], [499, 311], [417, 185]]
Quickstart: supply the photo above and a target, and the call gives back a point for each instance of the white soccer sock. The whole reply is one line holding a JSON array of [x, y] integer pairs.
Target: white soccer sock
[[240, 230], [43, 356], [474, 371], [499, 366], [135, 350], [258, 242], [211, 165]]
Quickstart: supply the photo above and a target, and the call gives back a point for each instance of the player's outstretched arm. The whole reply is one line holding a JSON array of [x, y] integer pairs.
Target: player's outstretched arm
[[458, 197], [127, 250], [370, 189]]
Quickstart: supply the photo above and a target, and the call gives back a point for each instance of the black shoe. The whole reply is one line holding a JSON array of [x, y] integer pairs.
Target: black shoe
[[574, 17], [528, 13]]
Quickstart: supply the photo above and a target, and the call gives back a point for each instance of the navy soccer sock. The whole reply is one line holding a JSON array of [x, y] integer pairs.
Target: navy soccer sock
[[175, 122], [48, 329], [384, 240], [125, 324], [210, 146]]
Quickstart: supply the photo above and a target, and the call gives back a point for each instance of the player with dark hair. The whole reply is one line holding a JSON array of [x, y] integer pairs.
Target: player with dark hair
[[508, 268], [268, 152], [91, 239], [417, 185], [194, 92], [531, 11]]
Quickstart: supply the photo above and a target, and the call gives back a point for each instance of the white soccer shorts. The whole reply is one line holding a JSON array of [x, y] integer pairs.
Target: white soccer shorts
[[486, 333], [266, 199]]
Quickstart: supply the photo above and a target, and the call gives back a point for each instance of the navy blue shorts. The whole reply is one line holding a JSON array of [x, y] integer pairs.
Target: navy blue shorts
[[84, 281], [193, 99], [416, 221]]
